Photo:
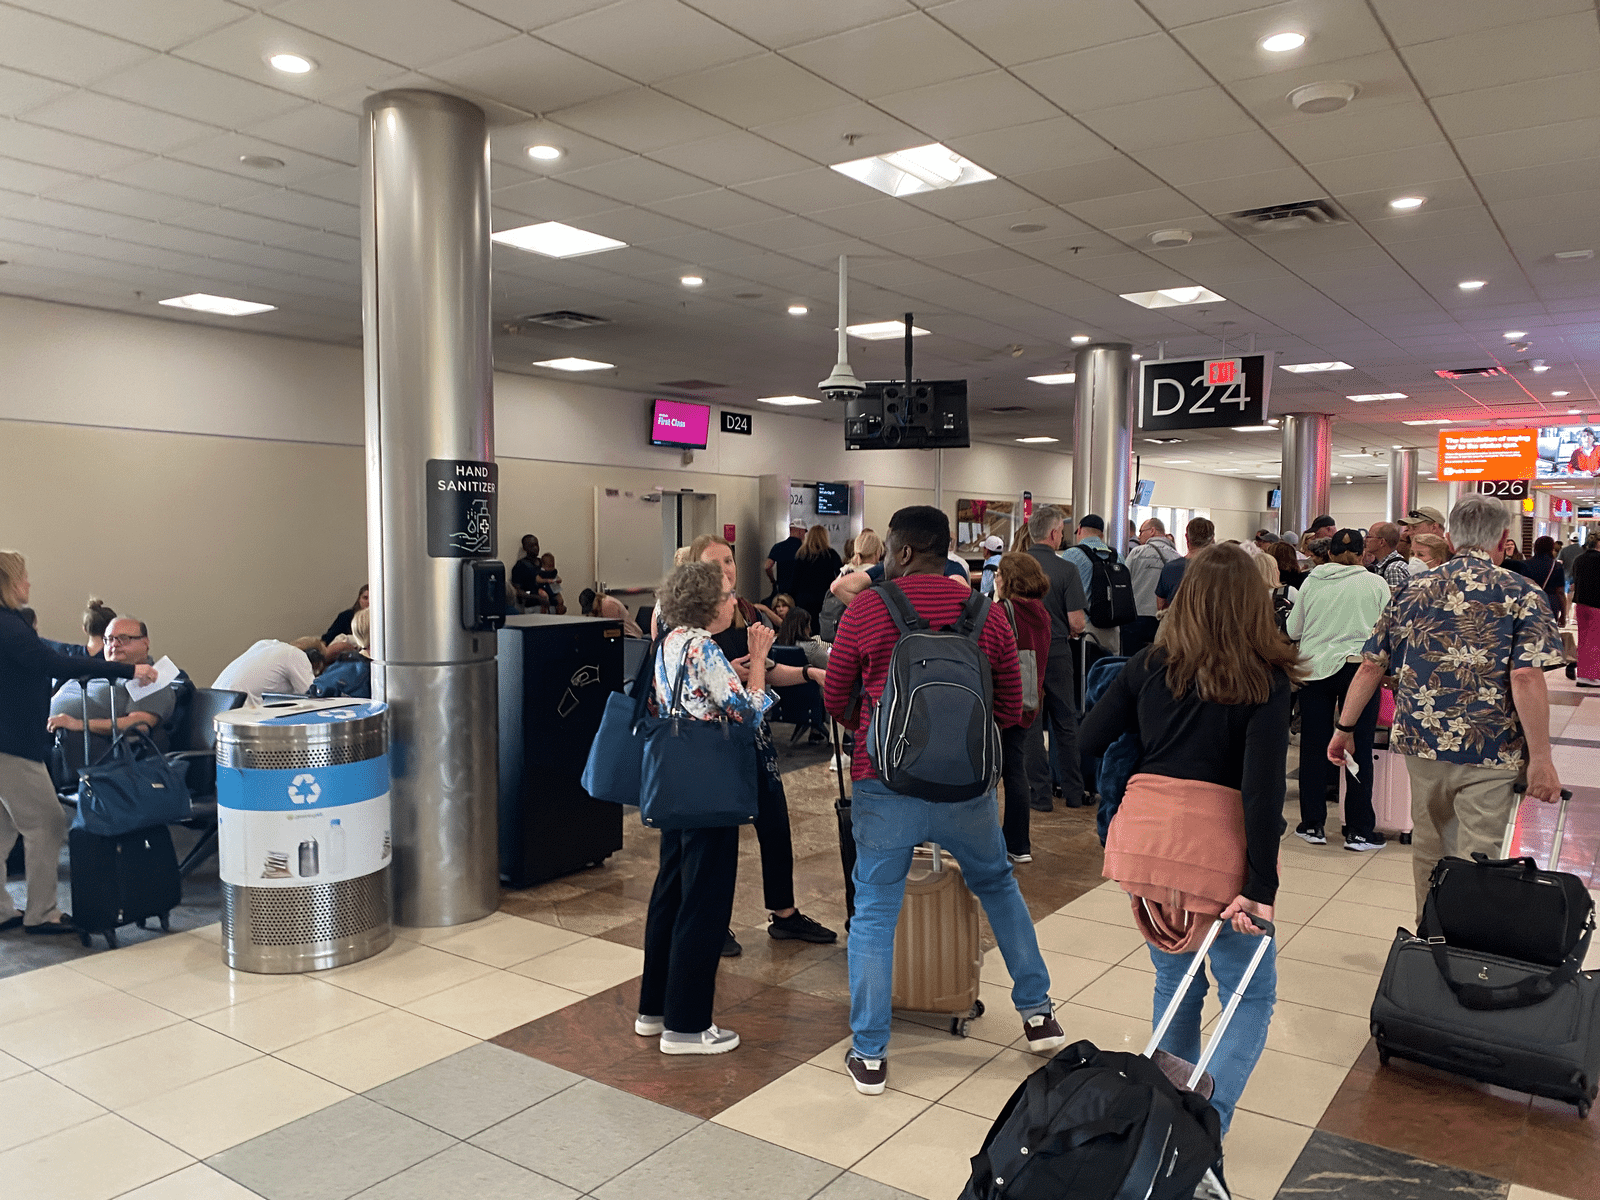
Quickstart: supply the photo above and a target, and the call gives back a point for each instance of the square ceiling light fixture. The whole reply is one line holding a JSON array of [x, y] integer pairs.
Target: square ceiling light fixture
[[1368, 397], [929, 168], [1173, 297], [222, 306], [1068, 377], [555, 240], [575, 364], [882, 331], [1313, 368], [787, 401]]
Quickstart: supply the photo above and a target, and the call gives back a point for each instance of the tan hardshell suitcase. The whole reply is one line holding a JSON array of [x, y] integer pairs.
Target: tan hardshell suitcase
[[937, 950]]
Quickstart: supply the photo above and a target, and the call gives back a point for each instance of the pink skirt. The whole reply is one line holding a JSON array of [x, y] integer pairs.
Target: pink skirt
[[1588, 641]]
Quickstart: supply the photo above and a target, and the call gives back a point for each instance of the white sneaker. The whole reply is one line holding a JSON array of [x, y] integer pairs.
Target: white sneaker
[[649, 1026], [1024, 857], [708, 1041]]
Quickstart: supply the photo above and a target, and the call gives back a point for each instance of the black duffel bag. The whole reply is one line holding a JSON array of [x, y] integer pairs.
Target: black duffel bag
[[1510, 908]]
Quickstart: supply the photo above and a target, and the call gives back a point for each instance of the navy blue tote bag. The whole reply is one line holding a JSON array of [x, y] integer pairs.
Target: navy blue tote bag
[[616, 756], [133, 787], [697, 774]]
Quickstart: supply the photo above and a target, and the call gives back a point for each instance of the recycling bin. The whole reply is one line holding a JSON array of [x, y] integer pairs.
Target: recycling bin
[[303, 834]]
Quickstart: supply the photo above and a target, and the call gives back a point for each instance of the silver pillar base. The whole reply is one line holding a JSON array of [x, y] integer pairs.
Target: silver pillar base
[[444, 763], [282, 931]]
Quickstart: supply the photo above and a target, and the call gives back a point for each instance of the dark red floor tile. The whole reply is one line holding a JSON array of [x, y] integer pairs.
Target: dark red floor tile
[[1560, 1151], [699, 1085], [584, 1036], [788, 1022]]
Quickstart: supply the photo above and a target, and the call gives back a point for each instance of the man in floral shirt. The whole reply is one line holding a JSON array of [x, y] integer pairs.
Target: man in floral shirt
[[1468, 644]]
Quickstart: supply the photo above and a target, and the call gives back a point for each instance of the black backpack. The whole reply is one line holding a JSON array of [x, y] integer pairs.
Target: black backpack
[[1095, 1124], [932, 733], [1111, 602]]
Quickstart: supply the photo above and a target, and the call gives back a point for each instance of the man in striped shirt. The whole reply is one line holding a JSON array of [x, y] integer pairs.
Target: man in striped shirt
[[888, 825]]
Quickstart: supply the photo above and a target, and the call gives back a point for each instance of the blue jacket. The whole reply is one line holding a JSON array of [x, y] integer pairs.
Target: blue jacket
[[1119, 761], [351, 677]]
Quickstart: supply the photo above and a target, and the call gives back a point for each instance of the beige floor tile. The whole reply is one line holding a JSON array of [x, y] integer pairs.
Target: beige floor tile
[[1330, 859], [1107, 907], [197, 1182], [1385, 869], [1291, 1088], [12, 1066], [1070, 975], [493, 1003], [1298, 909], [1108, 1031], [141, 963], [993, 971], [428, 936], [985, 1092], [36, 1106], [208, 933], [1363, 920], [210, 986], [928, 1062], [101, 1158], [1320, 986], [1087, 939], [147, 1066], [1399, 898], [818, 1112], [34, 992], [1307, 883], [1260, 1151], [999, 1025], [1317, 1033], [508, 941], [1120, 990], [404, 972], [272, 1022], [74, 1029], [588, 965], [376, 1050], [930, 1156], [206, 1117], [1523, 1192], [1333, 948]]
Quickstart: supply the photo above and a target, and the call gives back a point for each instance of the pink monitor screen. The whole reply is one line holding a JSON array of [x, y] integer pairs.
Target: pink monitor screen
[[676, 423]]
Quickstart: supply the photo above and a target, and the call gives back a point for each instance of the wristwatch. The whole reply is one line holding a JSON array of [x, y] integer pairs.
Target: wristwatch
[[1343, 728], [805, 673]]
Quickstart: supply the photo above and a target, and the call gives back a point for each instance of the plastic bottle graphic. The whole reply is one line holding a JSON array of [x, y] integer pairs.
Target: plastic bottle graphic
[[308, 858], [336, 847]]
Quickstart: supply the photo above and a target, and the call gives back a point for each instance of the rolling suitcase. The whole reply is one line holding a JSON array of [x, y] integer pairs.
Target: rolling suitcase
[[1391, 794], [847, 833], [937, 952]]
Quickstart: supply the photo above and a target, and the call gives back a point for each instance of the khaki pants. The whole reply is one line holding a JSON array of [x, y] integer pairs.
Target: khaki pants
[[1478, 800], [28, 806]]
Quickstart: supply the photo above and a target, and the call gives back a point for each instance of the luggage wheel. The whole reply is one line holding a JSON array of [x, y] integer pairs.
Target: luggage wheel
[[1405, 838], [141, 923], [961, 1026], [1383, 1057], [111, 939], [166, 922]]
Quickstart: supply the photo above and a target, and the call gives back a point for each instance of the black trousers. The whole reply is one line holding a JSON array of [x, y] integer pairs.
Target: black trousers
[[775, 840], [683, 934], [1061, 717], [1320, 702], [1138, 634], [1025, 772]]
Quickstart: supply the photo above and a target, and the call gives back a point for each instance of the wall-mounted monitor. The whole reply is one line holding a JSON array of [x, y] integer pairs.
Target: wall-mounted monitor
[[1274, 497], [926, 416], [1568, 450], [833, 499], [679, 424]]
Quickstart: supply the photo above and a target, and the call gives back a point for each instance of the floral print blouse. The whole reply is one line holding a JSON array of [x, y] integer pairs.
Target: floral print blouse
[[711, 690], [1451, 637]]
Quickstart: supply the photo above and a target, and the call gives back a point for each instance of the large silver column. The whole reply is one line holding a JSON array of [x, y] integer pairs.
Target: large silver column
[[1307, 468], [425, 229], [1402, 494], [1102, 442]]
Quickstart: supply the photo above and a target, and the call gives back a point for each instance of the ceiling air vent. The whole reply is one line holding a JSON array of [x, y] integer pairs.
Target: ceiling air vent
[[563, 319], [691, 385], [1470, 372], [1287, 218]]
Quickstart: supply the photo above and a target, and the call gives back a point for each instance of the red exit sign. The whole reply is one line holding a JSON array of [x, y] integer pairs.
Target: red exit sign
[[1221, 371]]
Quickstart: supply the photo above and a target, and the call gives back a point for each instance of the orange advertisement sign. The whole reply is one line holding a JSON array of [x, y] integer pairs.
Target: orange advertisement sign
[[1488, 454]]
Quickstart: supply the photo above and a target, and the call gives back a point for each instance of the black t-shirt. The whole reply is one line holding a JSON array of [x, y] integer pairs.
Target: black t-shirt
[[811, 577], [525, 575], [782, 556]]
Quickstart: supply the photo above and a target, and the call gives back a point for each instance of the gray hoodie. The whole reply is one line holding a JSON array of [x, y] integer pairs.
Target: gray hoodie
[[1334, 616]]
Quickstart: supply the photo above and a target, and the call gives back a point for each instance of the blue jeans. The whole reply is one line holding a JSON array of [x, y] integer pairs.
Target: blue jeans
[[1241, 1046], [888, 826]]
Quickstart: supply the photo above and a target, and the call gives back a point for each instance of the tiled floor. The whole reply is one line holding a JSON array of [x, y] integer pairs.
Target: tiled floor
[[497, 1060]]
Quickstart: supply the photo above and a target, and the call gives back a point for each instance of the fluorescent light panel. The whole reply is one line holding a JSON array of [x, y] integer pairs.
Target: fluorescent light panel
[[1069, 377], [929, 168], [1255, 428], [1431, 421], [575, 364], [1313, 368], [787, 401], [555, 240], [222, 306], [1368, 397], [1173, 297], [882, 331], [1033, 440]]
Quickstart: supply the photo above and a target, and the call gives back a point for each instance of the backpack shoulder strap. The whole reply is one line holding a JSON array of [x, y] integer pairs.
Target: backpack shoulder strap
[[974, 614], [905, 617]]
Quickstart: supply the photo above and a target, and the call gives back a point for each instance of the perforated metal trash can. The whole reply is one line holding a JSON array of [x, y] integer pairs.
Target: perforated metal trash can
[[303, 834]]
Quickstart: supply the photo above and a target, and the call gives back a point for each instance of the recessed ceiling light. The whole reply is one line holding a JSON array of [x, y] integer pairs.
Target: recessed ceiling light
[[691, 280], [1514, 335], [1080, 340], [929, 168], [1069, 377], [260, 162], [1266, 476], [1470, 285], [798, 310], [1137, 357], [1173, 462], [1026, 227], [575, 364], [1430, 421], [1367, 397], [1173, 297], [222, 306], [545, 153], [1037, 440], [1574, 255], [882, 331], [1280, 42], [291, 64], [1573, 411], [555, 240], [1558, 393], [1227, 470], [1255, 429], [1407, 203], [787, 401], [1313, 368]]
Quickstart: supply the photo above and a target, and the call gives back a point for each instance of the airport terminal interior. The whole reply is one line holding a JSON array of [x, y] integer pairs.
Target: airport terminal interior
[[300, 298]]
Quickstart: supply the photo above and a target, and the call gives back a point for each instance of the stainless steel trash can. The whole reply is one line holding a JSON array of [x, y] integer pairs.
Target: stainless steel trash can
[[303, 834]]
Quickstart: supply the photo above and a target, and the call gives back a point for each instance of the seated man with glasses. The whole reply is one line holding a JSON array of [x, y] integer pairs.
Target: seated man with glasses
[[128, 641]]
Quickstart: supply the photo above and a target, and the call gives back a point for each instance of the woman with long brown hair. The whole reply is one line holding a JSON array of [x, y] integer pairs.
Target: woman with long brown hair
[[816, 565], [1196, 838]]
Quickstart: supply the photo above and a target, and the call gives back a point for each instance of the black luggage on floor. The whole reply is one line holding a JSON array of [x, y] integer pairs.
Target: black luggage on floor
[[122, 880], [847, 833]]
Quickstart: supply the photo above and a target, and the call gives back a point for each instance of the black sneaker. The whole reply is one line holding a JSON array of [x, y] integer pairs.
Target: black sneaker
[[1044, 1032], [731, 947], [1044, 806], [1313, 834], [871, 1075], [1365, 841], [799, 927]]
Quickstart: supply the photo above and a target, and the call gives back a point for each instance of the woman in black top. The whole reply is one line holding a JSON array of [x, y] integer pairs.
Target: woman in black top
[[341, 623], [1545, 571], [816, 565], [1586, 607], [28, 803]]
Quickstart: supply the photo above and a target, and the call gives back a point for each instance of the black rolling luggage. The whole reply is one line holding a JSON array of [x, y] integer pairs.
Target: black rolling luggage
[[122, 880], [847, 833]]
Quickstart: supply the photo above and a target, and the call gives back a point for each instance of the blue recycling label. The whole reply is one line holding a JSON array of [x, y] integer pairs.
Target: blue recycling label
[[326, 716], [302, 789]]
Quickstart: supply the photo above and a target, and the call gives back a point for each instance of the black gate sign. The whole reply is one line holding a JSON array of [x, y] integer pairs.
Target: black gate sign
[[736, 422], [462, 502], [1506, 489], [1204, 393]]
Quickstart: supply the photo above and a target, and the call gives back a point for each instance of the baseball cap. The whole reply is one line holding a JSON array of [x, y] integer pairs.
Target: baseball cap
[[1348, 541], [1090, 521], [1323, 522], [1421, 516], [993, 544]]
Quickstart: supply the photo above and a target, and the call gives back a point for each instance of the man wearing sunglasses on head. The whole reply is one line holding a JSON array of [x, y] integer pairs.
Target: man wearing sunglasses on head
[[127, 641]]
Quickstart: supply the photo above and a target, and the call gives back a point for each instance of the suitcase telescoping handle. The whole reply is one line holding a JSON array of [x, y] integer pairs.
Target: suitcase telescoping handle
[[1509, 842], [1269, 931]]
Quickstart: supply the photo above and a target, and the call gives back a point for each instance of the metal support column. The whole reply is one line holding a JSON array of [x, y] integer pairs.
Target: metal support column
[[1402, 494], [1102, 444], [425, 228], [1307, 468]]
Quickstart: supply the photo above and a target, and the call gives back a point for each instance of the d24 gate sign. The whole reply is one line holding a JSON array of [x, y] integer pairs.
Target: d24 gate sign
[[1204, 393], [1488, 454]]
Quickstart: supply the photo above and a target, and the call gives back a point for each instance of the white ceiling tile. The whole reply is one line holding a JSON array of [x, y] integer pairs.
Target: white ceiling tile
[[1019, 31], [119, 198], [754, 91], [314, 129], [1381, 76], [159, 26], [242, 49], [821, 136], [635, 226], [1115, 176], [1285, 186], [716, 209], [66, 151], [1136, 208], [699, 248], [183, 179], [32, 178], [1336, 134], [635, 181], [891, 56], [989, 199], [1521, 105], [731, 158], [1487, 58], [1403, 170], [641, 120], [20, 92], [950, 108], [1581, 175], [649, 40], [413, 33], [807, 191], [530, 14], [1413, 21], [1037, 146], [1229, 47], [779, 25], [128, 124], [785, 233], [57, 50], [1121, 73], [1176, 13], [1543, 145], [1215, 158], [342, 184], [189, 89], [528, 74], [1428, 222], [1169, 120], [223, 151], [550, 200], [932, 240]]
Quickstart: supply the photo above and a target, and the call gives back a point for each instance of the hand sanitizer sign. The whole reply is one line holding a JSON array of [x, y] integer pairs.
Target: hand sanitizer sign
[[299, 826]]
